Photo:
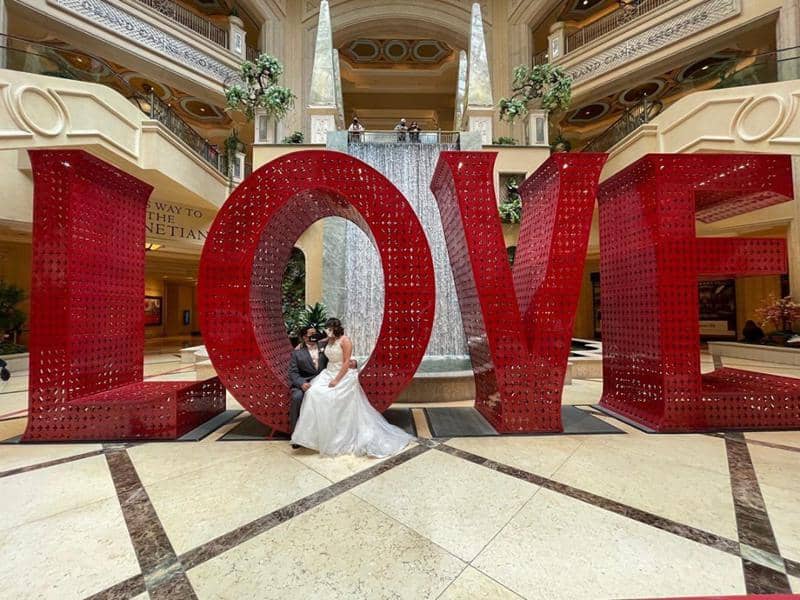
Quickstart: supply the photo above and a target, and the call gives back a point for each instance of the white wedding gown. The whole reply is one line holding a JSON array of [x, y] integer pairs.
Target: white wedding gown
[[340, 420]]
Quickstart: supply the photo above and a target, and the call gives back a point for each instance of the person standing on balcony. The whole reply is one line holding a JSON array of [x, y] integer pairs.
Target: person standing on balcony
[[402, 129], [413, 131], [356, 130]]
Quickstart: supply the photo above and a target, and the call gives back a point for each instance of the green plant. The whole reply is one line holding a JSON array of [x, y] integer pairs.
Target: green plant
[[11, 318], [315, 316], [295, 138], [293, 292], [550, 84], [505, 141], [511, 207], [234, 12], [258, 89]]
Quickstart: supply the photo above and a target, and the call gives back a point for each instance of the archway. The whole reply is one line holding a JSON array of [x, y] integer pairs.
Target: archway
[[247, 250]]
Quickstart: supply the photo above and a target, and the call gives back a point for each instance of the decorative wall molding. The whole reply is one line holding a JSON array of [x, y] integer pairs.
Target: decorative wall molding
[[684, 25], [147, 35]]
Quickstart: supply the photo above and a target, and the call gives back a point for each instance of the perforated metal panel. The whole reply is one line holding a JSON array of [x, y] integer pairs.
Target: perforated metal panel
[[518, 326], [650, 260], [247, 250], [87, 311]]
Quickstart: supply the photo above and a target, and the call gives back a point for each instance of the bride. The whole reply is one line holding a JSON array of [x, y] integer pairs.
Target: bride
[[336, 417]]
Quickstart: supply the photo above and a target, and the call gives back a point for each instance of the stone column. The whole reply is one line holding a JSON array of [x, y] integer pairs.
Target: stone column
[[236, 37], [793, 235], [4, 31], [788, 36]]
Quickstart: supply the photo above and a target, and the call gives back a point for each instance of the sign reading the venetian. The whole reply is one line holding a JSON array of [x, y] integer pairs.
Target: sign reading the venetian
[[175, 222]]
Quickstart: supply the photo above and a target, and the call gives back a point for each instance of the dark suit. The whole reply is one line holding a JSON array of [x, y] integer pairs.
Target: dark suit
[[302, 370]]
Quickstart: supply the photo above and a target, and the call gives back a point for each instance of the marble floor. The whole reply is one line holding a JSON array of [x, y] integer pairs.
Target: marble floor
[[575, 516]]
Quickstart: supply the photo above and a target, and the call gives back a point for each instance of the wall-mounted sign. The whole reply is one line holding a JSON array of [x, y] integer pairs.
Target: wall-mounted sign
[[177, 223]]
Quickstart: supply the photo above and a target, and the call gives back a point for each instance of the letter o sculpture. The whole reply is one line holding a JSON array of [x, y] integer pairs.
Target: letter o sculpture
[[246, 253]]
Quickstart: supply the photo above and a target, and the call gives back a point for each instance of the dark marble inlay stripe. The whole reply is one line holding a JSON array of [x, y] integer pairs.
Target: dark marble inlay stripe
[[122, 590], [50, 463], [685, 531], [230, 540], [752, 520], [792, 567], [164, 575]]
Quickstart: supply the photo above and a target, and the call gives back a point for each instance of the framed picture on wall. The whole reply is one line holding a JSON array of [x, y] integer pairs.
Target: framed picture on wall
[[717, 299], [152, 310], [187, 317]]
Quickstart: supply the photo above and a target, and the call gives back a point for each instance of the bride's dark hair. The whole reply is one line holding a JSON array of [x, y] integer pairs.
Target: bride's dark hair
[[336, 326]]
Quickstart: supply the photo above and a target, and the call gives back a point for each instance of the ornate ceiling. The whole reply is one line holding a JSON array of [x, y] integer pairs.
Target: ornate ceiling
[[382, 53]]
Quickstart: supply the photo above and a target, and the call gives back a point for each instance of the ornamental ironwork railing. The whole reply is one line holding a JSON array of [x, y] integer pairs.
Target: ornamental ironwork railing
[[734, 71], [630, 120], [631, 11], [450, 138], [190, 20], [541, 58], [53, 60], [251, 53]]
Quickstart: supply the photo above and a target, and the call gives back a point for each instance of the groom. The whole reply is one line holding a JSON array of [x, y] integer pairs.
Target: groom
[[308, 360]]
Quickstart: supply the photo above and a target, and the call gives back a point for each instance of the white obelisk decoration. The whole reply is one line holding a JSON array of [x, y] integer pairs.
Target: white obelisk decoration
[[461, 90], [480, 105], [322, 104]]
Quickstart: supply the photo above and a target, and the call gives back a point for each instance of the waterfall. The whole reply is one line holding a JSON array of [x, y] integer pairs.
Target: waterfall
[[353, 278]]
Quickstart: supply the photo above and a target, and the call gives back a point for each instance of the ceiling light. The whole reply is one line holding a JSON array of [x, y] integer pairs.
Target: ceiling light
[[151, 247]]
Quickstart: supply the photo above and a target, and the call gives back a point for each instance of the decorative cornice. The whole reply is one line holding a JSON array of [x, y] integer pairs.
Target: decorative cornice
[[682, 26], [147, 35]]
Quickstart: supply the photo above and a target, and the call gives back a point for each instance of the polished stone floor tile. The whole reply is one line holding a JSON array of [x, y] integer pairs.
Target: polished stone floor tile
[[638, 472], [541, 455], [333, 469], [165, 460], [558, 547], [10, 429], [776, 467], [454, 503], [13, 401], [72, 554], [474, 585], [25, 455], [343, 548], [45, 492], [778, 473], [785, 438], [582, 391], [202, 504], [795, 583]]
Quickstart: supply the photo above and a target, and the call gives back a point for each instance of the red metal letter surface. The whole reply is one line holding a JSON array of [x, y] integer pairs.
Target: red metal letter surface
[[650, 260], [247, 250], [87, 311], [518, 326]]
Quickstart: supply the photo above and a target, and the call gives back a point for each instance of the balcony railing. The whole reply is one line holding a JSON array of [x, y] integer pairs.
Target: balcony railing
[[56, 61], [449, 138], [251, 53], [541, 58], [611, 22], [190, 20], [767, 67], [630, 120]]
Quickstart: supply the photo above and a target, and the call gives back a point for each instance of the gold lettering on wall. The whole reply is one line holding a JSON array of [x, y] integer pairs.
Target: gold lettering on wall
[[167, 221]]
